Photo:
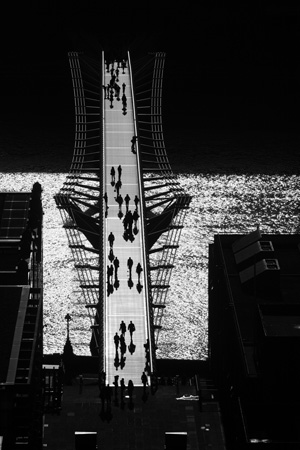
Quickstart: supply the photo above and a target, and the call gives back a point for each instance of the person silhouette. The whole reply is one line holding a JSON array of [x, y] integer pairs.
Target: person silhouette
[[144, 380], [130, 388], [111, 239], [119, 171], [136, 201], [122, 344], [119, 200], [129, 264], [122, 327], [131, 328], [127, 200], [123, 387], [116, 264], [116, 340], [113, 175], [116, 384], [139, 270], [105, 198]]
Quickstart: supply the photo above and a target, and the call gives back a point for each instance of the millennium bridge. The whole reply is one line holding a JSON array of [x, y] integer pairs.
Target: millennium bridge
[[122, 208]]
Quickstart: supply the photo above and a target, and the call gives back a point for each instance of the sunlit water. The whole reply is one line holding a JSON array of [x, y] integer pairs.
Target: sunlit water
[[220, 204]]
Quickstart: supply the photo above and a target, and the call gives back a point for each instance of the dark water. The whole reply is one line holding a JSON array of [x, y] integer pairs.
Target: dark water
[[237, 179]]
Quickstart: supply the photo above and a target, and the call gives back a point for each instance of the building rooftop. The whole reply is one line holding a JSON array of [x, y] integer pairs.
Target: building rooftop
[[270, 280]]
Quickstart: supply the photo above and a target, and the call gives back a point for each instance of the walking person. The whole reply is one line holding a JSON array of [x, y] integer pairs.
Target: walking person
[[113, 175], [117, 265], [119, 171], [129, 264], [127, 200], [111, 239], [105, 197], [133, 144], [130, 388], [135, 217], [116, 340], [131, 329], [139, 270], [122, 344], [122, 327], [144, 380], [123, 387], [136, 201]]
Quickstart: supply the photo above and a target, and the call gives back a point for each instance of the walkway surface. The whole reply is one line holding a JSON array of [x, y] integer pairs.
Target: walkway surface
[[126, 291], [141, 428]]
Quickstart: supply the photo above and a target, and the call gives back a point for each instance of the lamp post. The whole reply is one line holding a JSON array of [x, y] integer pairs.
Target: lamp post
[[68, 318]]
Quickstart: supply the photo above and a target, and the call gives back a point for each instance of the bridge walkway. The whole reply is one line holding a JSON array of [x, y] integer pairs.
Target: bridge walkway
[[126, 295]]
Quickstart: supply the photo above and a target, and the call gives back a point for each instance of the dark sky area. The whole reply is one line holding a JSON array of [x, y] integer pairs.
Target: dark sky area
[[226, 66]]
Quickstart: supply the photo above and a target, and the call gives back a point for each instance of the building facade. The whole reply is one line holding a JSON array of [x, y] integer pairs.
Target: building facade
[[21, 330], [254, 336]]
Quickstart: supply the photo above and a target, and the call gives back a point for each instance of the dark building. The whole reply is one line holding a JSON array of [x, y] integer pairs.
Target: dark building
[[254, 337], [21, 343]]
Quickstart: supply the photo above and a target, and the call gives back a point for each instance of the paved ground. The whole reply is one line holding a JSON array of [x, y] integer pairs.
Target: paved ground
[[143, 427]]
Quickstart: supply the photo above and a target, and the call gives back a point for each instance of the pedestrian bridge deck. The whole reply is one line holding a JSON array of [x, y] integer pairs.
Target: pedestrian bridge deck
[[123, 300]]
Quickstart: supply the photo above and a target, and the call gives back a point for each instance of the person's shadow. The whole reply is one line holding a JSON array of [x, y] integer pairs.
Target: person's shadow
[[117, 360], [130, 282], [131, 347], [116, 283], [122, 361], [111, 255]]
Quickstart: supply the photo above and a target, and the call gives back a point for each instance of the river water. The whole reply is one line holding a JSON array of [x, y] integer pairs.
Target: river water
[[235, 183]]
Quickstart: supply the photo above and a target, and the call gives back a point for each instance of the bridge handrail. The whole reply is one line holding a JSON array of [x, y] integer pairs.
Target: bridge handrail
[[148, 294]]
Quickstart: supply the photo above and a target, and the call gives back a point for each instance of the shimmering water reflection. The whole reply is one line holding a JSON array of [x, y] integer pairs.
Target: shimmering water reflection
[[220, 204]]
